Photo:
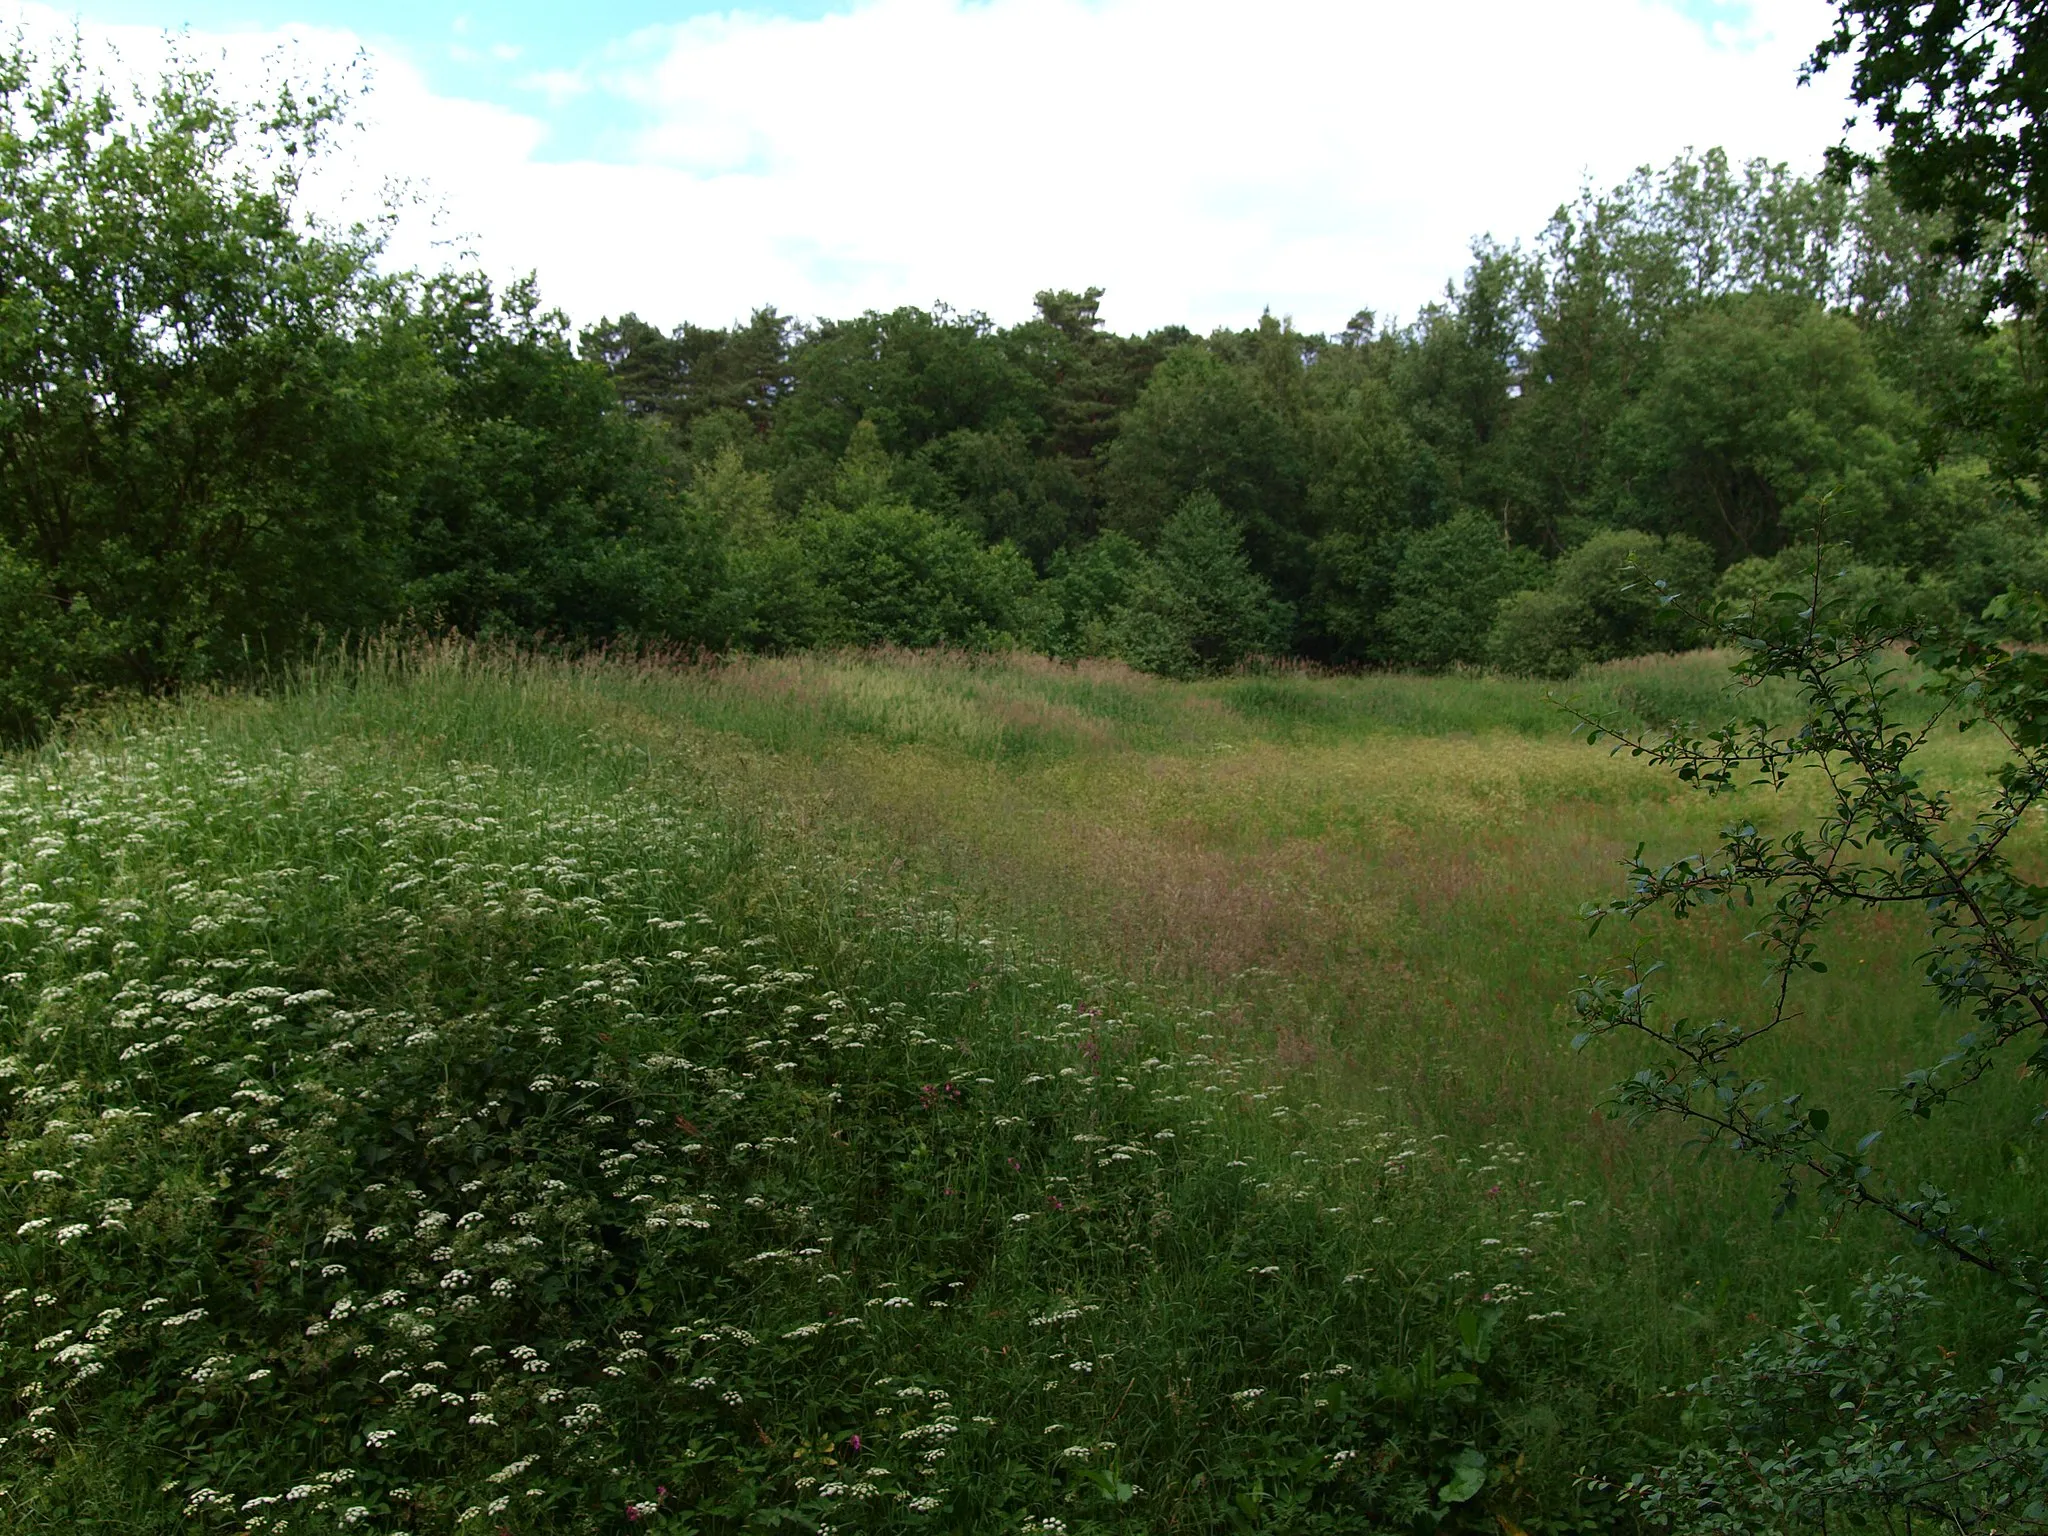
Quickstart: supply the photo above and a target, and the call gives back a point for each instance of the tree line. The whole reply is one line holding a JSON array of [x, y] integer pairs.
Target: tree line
[[1698, 370], [228, 432]]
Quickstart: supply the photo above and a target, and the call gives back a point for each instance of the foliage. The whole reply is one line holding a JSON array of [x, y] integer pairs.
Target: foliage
[[1853, 584], [999, 488], [889, 573], [1758, 408], [1201, 426], [1999, 555], [1351, 588], [1955, 90], [1196, 605], [1886, 839], [1084, 588], [1445, 589], [299, 446], [1541, 632], [47, 649], [698, 372], [227, 434], [1608, 598], [205, 415], [543, 508], [1861, 1422]]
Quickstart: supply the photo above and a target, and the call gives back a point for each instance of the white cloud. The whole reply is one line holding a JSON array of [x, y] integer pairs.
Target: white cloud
[[1201, 159]]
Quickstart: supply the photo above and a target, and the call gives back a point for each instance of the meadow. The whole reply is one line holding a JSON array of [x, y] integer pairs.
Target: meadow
[[457, 1091], [1375, 880]]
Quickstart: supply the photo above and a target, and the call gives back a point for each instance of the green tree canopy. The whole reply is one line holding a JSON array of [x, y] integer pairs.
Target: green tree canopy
[[207, 406], [1204, 425], [546, 508], [1196, 605], [1445, 589], [891, 574], [1618, 594], [1759, 407]]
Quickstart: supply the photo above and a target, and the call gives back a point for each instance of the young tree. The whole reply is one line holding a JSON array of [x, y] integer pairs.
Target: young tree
[[207, 405], [1446, 588], [888, 573], [1196, 606]]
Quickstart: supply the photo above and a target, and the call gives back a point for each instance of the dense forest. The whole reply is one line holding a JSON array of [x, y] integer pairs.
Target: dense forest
[[228, 432], [1700, 369]]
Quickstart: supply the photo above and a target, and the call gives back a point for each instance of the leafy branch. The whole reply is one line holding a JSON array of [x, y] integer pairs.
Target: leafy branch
[[1885, 836]]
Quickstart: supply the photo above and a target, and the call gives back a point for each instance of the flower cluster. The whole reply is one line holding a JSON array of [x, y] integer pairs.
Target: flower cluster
[[442, 1142]]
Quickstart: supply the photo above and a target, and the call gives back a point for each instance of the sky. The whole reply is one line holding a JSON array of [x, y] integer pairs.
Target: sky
[[1201, 160]]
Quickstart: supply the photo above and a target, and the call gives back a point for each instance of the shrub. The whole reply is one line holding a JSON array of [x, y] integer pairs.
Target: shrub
[[1858, 1420], [888, 573], [1196, 605], [1446, 588], [1541, 632], [208, 406], [48, 653], [1607, 598], [1083, 589], [1749, 584], [2006, 553]]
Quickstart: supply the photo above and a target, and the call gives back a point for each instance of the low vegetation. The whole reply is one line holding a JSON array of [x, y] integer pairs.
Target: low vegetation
[[476, 1123], [465, 1092]]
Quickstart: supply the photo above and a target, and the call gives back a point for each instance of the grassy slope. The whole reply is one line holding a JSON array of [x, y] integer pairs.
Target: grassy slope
[[610, 952], [431, 1106]]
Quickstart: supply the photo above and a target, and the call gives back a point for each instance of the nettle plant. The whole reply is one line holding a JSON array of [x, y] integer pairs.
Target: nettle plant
[[1857, 1421]]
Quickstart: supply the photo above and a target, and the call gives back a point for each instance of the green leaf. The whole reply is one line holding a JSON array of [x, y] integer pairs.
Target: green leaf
[[1468, 1476]]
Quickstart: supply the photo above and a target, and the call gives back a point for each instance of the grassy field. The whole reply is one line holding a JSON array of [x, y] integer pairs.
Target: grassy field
[[1373, 880], [463, 1093]]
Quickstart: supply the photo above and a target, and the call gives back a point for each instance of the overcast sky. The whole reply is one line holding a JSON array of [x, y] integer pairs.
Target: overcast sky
[[1200, 159]]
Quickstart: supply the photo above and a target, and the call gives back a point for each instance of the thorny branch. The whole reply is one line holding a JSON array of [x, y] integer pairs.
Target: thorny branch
[[1883, 838]]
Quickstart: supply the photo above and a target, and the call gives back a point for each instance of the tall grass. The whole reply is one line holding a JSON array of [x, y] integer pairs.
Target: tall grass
[[438, 1098], [1377, 876], [464, 1092]]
